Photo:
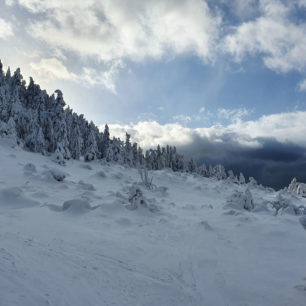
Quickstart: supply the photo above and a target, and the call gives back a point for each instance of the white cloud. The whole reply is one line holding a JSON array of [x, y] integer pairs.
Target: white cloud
[[302, 3], [150, 133], [274, 35], [202, 109], [182, 118], [106, 78], [5, 29], [107, 31], [302, 85], [284, 127], [51, 69], [9, 2], [233, 114], [116, 29]]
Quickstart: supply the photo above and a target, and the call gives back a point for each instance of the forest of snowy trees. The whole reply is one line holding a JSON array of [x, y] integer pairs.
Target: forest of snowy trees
[[44, 123]]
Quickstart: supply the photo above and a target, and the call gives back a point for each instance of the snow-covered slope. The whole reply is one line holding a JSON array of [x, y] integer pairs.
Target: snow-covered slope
[[92, 234]]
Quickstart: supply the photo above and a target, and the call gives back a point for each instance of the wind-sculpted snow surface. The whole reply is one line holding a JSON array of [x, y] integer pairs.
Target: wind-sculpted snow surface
[[99, 235]]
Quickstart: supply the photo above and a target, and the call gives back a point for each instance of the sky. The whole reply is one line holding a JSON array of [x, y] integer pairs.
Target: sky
[[224, 81]]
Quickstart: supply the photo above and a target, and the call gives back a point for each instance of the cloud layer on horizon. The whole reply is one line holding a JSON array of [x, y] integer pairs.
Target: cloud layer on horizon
[[272, 148]]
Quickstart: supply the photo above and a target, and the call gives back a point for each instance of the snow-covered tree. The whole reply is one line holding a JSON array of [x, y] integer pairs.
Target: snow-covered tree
[[231, 177], [91, 147], [241, 179], [43, 123], [219, 172], [191, 166], [252, 181]]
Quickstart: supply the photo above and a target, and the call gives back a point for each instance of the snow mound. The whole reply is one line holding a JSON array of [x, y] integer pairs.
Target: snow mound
[[29, 168], [303, 222], [86, 166], [240, 200], [161, 191], [86, 186], [205, 225], [262, 206], [284, 205], [117, 176], [14, 198], [101, 174], [77, 206], [55, 174]]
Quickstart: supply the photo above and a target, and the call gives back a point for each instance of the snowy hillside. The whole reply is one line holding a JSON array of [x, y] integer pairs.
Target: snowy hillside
[[92, 234]]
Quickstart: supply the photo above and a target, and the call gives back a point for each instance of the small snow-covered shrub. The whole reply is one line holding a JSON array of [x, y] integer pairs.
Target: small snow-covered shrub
[[284, 205], [146, 180], [89, 156], [137, 199], [58, 157], [57, 174], [240, 200]]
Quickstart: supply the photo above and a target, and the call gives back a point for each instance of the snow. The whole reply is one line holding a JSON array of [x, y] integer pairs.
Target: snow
[[75, 241]]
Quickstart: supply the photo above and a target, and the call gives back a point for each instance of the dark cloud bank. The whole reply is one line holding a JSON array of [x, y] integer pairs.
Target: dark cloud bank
[[274, 164]]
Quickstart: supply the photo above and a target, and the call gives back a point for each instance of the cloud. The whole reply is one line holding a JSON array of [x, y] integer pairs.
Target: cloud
[[182, 118], [274, 35], [5, 29], [9, 2], [115, 29], [302, 85], [233, 115], [151, 133], [264, 148], [202, 110], [107, 78], [105, 31], [51, 69], [283, 127]]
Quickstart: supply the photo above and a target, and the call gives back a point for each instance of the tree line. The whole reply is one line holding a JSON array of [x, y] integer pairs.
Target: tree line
[[43, 123]]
